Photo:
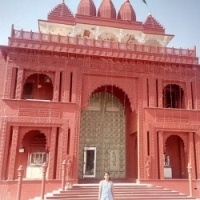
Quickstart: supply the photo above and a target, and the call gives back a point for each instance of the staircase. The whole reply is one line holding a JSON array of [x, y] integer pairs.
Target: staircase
[[123, 191]]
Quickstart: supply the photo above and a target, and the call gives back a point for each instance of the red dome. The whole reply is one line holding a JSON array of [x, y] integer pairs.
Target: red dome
[[61, 13], [126, 12], [86, 7], [107, 10]]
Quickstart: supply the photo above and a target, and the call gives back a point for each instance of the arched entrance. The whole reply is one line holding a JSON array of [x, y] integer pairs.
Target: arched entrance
[[35, 153], [103, 134], [176, 157]]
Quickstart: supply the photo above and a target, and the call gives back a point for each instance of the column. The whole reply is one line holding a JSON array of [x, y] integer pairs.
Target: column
[[62, 149], [191, 158], [3, 148], [65, 86], [197, 140], [188, 97], [19, 86], [13, 152], [8, 81], [52, 149], [154, 150], [161, 153], [152, 92], [56, 86], [160, 94]]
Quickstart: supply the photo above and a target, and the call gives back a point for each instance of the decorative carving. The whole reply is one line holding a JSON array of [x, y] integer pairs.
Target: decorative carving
[[39, 112], [148, 167]]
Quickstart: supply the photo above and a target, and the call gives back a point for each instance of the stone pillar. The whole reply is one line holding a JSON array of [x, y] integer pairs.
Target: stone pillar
[[160, 93], [197, 140], [152, 92], [56, 86], [13, 152], [62, 150], [161, 153], [188, 98], [19, 86], [3, 147], [52, 149], [65, 86], [140, 133], [154, 150], [191, 158], [8, 80]]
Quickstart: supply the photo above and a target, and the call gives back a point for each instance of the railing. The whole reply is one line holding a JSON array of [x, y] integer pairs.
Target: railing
[[67, 183], [103, 44]]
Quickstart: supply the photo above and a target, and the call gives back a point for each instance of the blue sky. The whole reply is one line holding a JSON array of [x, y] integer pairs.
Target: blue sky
[[179, 17]]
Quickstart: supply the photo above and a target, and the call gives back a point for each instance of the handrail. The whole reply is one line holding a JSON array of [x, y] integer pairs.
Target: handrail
[[38, 36]]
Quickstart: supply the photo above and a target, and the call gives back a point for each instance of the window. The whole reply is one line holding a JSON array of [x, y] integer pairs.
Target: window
[[38, 158]]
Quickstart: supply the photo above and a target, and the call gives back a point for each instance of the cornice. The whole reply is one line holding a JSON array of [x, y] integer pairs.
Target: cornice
[[98, 49]]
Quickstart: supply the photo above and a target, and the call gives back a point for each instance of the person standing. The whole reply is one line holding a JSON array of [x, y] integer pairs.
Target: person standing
[[106, 188]]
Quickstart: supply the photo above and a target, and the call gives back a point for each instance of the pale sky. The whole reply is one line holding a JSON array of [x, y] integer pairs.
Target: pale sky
[[179, 17]]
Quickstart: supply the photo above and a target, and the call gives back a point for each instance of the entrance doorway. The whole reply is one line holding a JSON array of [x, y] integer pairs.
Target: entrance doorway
[[89, 167]]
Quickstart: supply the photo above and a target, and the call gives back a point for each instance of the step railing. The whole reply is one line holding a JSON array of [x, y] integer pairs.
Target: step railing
[[65, 179]]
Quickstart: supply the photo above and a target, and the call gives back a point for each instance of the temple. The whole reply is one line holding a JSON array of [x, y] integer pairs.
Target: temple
[[103, 92]]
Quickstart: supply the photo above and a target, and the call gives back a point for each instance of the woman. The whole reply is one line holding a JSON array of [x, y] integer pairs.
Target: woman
[[106, 188]]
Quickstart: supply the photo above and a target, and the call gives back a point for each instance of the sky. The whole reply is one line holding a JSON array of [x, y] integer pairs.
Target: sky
[[180, 18]]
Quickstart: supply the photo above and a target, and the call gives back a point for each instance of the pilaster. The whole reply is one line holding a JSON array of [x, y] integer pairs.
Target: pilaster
[[3, 148], [189, 95], [191, 158], [160, 93], [56, 86], [154, 150], [65, 86], [152, 92], [13, 152], [142, 97], [161, 153], [197, 140], [52, 150], [19, 86], [8, 81]]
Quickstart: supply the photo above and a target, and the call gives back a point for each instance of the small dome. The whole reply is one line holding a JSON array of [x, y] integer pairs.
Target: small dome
[[107, 10], [86, 7], [126, 12], [61, 13]]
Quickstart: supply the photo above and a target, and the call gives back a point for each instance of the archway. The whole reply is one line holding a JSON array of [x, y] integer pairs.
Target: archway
[[104, 134], [35, 153], [38, 86], [176, 157], [173, 96]]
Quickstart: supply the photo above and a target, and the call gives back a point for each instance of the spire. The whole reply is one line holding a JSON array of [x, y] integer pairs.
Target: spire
[[61, 13], [86, 7], [107, 9], [126, 12], [152, 23]]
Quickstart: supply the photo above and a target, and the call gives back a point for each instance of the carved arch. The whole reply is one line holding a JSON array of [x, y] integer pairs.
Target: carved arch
[[45, 131], [29, 73], [182, 136], [119, 87]]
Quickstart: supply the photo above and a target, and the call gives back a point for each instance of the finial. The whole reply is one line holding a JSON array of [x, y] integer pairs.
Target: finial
[[63, 1]]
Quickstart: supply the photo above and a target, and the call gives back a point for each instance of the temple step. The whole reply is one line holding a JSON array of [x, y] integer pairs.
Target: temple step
[[122, 191]]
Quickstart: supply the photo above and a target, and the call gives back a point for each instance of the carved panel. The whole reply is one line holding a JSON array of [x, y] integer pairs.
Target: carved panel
[[34, 112]]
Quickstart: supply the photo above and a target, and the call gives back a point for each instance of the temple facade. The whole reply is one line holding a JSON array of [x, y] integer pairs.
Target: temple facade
[[102, 91]]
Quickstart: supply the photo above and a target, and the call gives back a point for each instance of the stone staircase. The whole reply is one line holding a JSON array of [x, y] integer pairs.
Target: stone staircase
[[123, 191]]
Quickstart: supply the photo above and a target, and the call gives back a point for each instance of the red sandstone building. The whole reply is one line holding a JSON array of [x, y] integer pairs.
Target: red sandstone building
[[102, 90]]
